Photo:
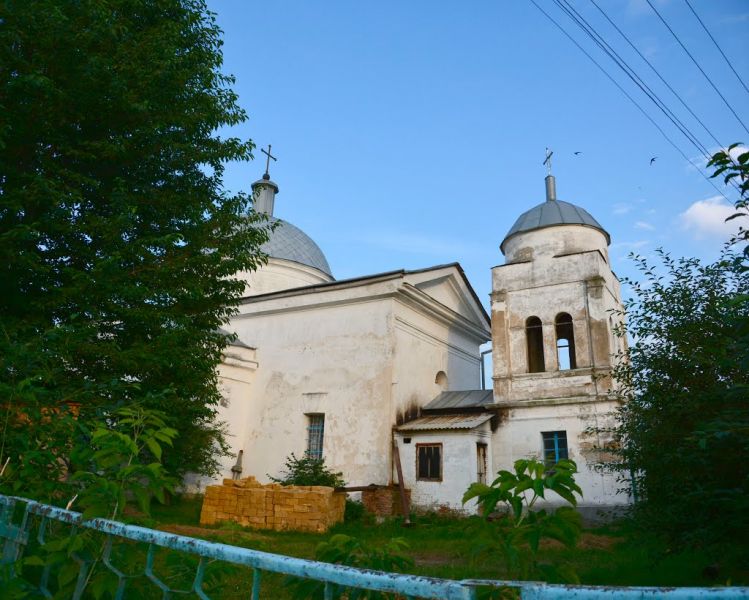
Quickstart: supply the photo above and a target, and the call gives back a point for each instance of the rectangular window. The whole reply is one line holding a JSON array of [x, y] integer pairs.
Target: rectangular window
[[480, 462], [429, 462], [555, 446], [315, 432]]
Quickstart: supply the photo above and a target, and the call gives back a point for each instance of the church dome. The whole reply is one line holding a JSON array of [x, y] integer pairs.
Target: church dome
[[288, 242], [553, 213]]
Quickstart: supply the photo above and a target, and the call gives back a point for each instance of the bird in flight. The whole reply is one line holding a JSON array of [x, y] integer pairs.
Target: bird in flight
[[576, 153], [652, 160]]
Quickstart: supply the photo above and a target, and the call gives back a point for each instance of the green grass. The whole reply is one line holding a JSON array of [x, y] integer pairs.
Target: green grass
[[446, 547]]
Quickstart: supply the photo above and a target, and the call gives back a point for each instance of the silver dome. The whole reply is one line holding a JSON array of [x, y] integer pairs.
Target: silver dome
[[550, 214], [291, 243]]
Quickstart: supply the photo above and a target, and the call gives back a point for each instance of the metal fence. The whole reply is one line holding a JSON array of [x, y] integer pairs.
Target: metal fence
[[27, 524]]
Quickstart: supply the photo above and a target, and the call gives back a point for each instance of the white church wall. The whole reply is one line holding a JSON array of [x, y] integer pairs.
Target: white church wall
[[333, 359], [520, 436], [424, 347], [236, 375], [459, 466]]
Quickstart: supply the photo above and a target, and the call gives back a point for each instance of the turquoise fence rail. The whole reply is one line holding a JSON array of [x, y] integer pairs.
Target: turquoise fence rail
[[24, 523]]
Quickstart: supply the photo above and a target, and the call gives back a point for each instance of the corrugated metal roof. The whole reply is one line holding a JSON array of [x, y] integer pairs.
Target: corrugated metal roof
[[553, 212], [462, 399], [432, 422]]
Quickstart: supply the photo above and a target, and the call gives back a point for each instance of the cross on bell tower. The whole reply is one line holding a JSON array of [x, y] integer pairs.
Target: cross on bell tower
[[551, 185], [547, 161]]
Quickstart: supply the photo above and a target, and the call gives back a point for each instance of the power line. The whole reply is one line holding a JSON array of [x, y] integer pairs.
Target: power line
[[631, 99], [716, 45], [581, 22], [643, 57], [676, 37]]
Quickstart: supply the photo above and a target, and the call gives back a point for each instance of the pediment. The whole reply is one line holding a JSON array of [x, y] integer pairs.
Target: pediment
[[448, 286]]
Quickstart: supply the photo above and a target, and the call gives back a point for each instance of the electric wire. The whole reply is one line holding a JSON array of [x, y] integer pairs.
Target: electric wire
[[631, 99], [644, 58], [710, 81], [707, 31], [573, 14], [587, 28]]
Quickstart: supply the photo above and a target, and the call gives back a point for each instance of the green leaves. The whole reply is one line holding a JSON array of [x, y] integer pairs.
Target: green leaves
[[353, 552], [682, 435], [118, 241], [118, 466], [309, 471], [530, 476], [517, 534]]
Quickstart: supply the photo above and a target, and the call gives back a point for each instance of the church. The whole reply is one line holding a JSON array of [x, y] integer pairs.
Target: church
[[365, 370]]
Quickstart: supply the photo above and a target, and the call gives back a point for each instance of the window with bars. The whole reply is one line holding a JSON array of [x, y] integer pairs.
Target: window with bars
[[429, 462], [555, 446], [315, 434]]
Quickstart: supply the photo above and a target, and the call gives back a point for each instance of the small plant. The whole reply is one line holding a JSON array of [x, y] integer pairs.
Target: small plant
[[308, 471], [517, 534], [346, 550]]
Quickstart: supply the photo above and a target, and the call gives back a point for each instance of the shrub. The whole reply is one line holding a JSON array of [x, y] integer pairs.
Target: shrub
[[308, 471], [346, 550]]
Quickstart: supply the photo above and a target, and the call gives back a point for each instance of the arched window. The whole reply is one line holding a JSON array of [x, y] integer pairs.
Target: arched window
[[565, 342], [441, 379], [534, 338]]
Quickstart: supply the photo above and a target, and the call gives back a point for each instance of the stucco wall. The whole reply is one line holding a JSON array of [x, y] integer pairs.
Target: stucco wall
[[519, 436], [459, 466], [333, 359], [423, 348]]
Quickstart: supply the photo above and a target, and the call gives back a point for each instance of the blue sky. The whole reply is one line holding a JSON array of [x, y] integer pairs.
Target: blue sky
[[411, 134]]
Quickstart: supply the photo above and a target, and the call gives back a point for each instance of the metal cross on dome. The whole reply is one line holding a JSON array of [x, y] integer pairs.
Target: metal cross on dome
[[267, 160], [547, 162]]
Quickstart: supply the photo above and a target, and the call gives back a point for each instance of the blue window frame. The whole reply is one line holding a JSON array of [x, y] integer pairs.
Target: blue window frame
[[555, 446], [315, 434]]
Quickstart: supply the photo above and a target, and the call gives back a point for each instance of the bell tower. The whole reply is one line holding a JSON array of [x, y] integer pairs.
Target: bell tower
[[553, 342]]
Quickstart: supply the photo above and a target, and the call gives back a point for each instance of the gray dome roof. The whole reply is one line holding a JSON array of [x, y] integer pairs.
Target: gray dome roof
[[552, 213], [291, 243]]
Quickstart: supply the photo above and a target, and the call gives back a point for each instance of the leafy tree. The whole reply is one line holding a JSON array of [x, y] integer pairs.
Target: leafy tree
[[309, 471], [735, 171], [683, 427], [117, 239]]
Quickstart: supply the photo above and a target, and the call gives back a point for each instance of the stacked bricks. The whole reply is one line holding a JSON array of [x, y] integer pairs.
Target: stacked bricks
[[273, 506], [384, 501]]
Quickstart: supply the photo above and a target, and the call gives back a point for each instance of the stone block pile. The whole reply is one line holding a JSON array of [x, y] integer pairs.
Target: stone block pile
[[273, 506]]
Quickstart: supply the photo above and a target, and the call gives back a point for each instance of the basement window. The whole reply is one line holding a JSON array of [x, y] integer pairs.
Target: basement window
[[565, 342], [535, 340], [315, 433], [555, 447], [429, 462]]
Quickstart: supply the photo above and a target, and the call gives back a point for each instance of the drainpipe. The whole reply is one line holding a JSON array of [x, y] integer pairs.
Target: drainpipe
[[482, 368]]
